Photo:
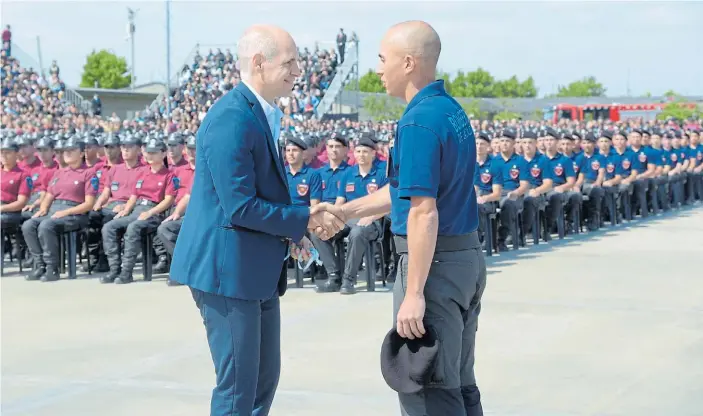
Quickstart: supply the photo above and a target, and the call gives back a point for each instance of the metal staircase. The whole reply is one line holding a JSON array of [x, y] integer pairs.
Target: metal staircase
[[350, 68]]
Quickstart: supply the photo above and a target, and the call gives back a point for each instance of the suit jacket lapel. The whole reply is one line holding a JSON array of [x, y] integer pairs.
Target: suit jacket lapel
[[259, 112]]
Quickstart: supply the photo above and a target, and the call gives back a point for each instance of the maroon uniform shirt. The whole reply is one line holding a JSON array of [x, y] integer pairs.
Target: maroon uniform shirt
[[121, 179], [33, 170], [14, 182], [73, 184], [45, 175], [155, 186], [185, 181]]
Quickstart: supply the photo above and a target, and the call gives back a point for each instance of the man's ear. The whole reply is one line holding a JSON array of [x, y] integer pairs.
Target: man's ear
[[409, 63]]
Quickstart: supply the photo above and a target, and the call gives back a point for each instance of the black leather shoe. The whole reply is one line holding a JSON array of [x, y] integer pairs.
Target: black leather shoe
[[170, 282], [51, 275], [161, 266], [348, 287], [110, 277], [332, 284], [27, 263], [36, 274], [124, 278]]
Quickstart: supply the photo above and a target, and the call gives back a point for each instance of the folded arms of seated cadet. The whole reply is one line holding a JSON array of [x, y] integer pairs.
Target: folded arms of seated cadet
[[18, 205]]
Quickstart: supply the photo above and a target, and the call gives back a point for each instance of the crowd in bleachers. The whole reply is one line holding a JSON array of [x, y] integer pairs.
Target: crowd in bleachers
[[135, 175]]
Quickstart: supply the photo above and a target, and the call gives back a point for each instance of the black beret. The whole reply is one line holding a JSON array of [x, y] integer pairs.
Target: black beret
[[638, 131], [74, 143], [590, 137], [365, 141], [339, 137], [297, 141], [407, 365], [607, 134], [484, 135], [575, 135], [550, 132], [9, 144], [370, 134], [155, 145], [509, 133], [190, 143], [645, 131], [529, 134]]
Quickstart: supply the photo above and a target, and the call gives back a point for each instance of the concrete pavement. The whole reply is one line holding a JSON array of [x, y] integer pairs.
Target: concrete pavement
[[609, 323]]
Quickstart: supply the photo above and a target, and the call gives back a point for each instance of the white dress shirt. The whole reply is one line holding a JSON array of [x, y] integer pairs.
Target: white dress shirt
[[273, 115]]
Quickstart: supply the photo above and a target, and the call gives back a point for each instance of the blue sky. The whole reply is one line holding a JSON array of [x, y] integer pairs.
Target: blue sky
[[656, 43]]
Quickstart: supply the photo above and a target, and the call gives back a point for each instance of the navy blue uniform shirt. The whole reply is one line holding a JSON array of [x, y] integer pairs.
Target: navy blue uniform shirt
[[589, 165], [511, 170], [487, 174], [640, 161], [653, 155], [537, 169], [355, 186], [331, 179], [304, 186], [613, 165], [561, 168], [627, 161], [434, 156]]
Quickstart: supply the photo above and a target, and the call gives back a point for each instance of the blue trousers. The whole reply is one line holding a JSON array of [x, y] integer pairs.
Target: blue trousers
[[245, 344]]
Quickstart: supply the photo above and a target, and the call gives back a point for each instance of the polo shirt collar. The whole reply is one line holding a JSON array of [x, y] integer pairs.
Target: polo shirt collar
[[430, 90]]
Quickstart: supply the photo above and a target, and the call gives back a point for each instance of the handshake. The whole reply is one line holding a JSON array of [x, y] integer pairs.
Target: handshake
[[326, 220]]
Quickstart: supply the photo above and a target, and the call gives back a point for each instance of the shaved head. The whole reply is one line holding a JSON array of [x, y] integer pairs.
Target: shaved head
[[417, 39]]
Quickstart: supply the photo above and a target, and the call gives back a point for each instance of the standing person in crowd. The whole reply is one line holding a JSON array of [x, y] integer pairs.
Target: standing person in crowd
[[16, 186], [341, 44], [68, 199], [435, 216], [7, 40], [153, 193]]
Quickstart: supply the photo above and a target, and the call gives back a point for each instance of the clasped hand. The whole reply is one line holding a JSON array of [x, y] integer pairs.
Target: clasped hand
[[326, 220]]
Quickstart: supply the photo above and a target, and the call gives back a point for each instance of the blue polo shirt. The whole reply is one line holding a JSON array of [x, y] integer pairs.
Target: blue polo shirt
[[696, 153], [641, 160], [537, 169], [512, 170], [653, 155], [589, 165], [304, 185], [683, 154], [355, 186], [434, 155], [627, 162], [487, 174], [613, 166], [561, 168], [331, 179], [572, 157]]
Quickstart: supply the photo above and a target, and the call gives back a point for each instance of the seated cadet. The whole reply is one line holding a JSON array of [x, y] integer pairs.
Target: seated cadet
[[590, 179], [662, 170], [69, 197], [170, 227], [645, 173], [488, 181], [92, 154], [653, 157], [695, 166], [495, 145], [672, 152], [362, 179], [331, 175], [304, 183], [152, 194], [515, 185], [104, 208], [58, 152], [539, 179], [613, 171], [628, 187], [16, 185], [563, 179], [567, 146]]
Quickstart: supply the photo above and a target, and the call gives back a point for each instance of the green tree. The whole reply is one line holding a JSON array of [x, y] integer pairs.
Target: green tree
[[383, 107], [679, 109], [473, 109], [371, 82], [585, 87], [106, 69], [506, 115]]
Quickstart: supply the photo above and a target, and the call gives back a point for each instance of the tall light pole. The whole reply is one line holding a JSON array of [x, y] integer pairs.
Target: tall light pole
[[131, 15], [168, 57]]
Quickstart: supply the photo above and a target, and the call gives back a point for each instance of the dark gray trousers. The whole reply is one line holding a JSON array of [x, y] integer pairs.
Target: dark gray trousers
[[359, 238], [453, 292], [168, 234], [133, 230]]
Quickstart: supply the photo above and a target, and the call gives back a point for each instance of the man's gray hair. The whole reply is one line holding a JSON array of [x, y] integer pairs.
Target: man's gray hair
[[253, 42]]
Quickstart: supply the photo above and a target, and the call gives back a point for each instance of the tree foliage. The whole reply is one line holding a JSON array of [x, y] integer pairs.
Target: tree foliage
[[105, 69], [383, 107], [585, 87], [679, 109], [371, 82]]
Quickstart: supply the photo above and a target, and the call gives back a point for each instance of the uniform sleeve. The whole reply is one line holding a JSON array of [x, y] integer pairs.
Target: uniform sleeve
[[382, 178], [106, 178], [602, 161], [496, 173], [51, 186], [524, 168], [92, 183], [172, 184], [655, 157], [546, 171], [477, 175], [26, 184], [315, 186], [569, 171], [578, 163], [419, 160], [618, 165], [342, 188]]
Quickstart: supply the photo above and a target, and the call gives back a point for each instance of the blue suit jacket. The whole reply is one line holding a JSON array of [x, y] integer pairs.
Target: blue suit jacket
[[235, 234]]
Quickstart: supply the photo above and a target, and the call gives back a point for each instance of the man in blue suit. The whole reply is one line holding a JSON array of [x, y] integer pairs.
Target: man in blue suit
[[240, 222]]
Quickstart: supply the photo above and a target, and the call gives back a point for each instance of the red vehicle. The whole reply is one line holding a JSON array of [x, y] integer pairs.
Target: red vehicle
[[613, 112]]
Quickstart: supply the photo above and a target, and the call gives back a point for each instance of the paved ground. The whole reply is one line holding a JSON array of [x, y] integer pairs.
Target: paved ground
[[605, 324]]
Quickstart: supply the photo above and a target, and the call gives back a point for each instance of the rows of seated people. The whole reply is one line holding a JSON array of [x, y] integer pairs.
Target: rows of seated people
[[588, 176], [121, 187]]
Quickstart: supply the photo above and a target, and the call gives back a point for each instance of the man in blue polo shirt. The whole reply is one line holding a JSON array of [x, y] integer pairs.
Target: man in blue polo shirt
[[563, 179], [695, 166], [539, 178], [358, 181], [304, 184], [590, 179], [646, 170], [613, 171], [488, 181], [515, 185], [434, 218]]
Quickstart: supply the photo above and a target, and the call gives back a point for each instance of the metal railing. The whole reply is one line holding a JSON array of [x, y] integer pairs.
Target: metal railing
[[175, 78], [27, 61], [344, 71]]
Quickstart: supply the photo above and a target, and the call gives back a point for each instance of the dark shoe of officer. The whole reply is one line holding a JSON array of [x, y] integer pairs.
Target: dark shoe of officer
[[124, 278], [502, 247], [36, 274], [27, 263], [51, 275], [170, 282], [110, 277], [332, 284], [161, 266], [99, 266], [347, 286]]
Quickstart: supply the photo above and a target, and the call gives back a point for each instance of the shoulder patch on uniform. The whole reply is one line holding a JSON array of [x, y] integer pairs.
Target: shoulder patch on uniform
[[30, 183], [176, 182], [94, 183]]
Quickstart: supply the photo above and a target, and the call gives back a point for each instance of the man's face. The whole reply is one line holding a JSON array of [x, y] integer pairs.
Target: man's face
[[540, 144], [666, 143], [495, 145], [646, 140], [279, 73], [655, 141], [588, 146], [130, 152], [529, 147], [619, 141], [175, 152], [294, 155], [8, 157], [46, 155], [112, 152], [482, 147], [364, 155], [392, 68], [695, 139], [507, 145], [336, 151], [675, 142], [566, 146], [634, 139], [550, 144], [604, 145]]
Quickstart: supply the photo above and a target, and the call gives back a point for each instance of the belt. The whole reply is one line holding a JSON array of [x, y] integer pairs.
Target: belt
[[444, 243], [66, 202], [146, 202]]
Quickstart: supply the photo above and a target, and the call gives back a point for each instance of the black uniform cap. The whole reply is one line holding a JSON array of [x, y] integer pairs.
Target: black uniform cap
[[131, 139], [590, 137], [112, 139], [607, 134], [44, 143], [529, 134], [74, 143], [339, 137], [10, 144], [484, 135], [155, 145], [175, 139], [90, 140], [366, 141], [509, 133], [297, 141], [190, 143]]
